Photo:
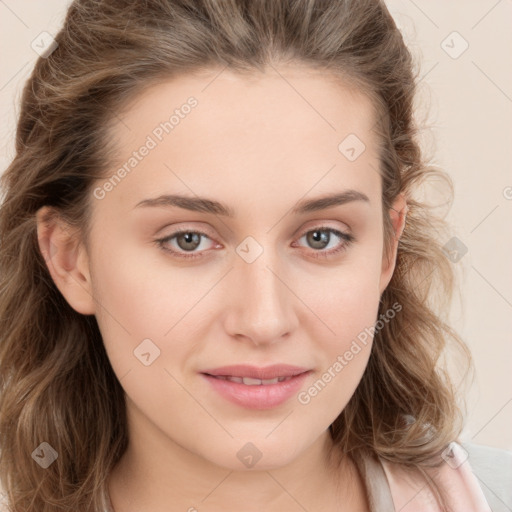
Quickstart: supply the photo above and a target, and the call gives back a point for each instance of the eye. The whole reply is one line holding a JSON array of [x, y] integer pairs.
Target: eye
[[321, 237], [186, 241], [183, 244]]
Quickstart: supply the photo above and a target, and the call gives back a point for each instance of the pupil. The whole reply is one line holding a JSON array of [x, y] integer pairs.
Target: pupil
[[320, 236], [190, 238]]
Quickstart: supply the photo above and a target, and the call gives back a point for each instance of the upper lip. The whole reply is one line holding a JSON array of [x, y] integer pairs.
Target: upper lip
[[254, 372]]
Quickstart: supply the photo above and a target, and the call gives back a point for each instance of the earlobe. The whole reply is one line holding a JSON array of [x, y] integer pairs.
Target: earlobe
[[397, 213], [66, 260]]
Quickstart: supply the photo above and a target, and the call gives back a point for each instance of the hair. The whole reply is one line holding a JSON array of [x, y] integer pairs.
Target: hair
[[55, 376]]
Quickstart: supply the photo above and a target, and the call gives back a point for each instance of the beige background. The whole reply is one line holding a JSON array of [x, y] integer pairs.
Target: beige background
[[470, 102]]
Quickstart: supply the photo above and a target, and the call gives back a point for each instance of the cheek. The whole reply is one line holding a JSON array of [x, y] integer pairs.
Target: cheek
[[137, 302], [144, 311], [347, 306], [343, 356], [347, 297], [140, 290]]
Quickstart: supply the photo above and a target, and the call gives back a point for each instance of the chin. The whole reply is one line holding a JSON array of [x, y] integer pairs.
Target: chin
[[259, 454]]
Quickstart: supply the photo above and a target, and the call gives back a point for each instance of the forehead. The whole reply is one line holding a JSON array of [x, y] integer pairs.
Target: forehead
[[290, 126]]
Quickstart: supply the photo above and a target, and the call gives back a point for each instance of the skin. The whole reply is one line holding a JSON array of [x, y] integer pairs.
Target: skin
[[257, 145]]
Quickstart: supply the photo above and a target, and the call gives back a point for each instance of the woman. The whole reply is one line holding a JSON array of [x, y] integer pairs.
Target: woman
[[217, 281]]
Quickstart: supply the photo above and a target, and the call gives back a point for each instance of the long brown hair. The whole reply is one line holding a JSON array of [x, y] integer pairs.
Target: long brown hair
[[56, 382]]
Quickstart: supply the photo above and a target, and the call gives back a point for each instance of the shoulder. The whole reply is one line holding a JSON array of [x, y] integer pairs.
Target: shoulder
[[455, 478]]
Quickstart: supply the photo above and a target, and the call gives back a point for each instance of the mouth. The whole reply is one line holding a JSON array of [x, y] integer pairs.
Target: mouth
[[257, 388], [256, 373], [249, 381]]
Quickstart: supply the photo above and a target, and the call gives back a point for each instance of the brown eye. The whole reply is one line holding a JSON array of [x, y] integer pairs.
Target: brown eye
[[188, 241]]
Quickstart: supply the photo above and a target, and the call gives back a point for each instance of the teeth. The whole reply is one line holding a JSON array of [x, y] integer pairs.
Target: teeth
[[235, 379], [249, 381]]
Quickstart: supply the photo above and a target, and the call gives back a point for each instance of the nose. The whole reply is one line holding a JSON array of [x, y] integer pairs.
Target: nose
[[262, 305]]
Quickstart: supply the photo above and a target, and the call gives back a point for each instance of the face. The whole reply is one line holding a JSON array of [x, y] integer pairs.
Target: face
[[261, 274]]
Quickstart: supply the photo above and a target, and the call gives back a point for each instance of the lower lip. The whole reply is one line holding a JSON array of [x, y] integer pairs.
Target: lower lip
[[259, 396]]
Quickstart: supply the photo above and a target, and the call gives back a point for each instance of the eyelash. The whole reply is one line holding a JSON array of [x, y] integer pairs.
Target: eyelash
[[348, 240]]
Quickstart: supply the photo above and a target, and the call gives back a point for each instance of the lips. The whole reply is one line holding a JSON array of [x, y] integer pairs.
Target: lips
[[249, 381], [257, 388], [253, 375]]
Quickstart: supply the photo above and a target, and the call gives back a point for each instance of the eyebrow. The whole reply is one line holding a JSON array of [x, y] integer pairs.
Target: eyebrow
[[205, 205]]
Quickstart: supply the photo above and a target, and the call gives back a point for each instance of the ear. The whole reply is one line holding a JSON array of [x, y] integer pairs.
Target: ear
[[66, 260], [397, 215]]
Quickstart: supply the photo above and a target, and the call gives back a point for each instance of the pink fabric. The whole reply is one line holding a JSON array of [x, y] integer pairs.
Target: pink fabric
[[455, 477]]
